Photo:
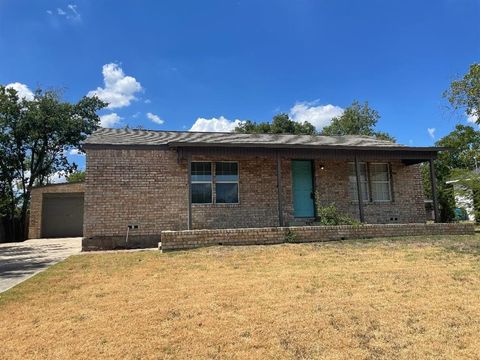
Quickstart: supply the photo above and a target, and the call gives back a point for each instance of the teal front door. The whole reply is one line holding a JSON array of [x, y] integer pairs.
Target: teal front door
[[302, 189]]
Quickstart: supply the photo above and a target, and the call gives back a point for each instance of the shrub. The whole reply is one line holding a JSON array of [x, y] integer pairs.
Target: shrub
[[290, 236], [329, 215]]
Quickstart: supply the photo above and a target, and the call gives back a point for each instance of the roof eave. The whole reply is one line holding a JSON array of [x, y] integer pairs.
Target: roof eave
[[174, 145], [311, 147]]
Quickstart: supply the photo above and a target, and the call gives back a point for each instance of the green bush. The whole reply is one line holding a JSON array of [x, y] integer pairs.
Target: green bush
[[329, 215], [290, 236]]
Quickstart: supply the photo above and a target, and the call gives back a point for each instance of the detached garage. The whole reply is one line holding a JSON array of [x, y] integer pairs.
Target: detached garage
[[56, 211]]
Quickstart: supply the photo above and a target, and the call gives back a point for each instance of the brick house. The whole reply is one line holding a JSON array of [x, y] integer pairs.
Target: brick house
[[152, 181]]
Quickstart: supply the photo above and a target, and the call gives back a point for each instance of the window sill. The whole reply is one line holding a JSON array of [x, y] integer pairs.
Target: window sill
[[219, 205], [389, 202]]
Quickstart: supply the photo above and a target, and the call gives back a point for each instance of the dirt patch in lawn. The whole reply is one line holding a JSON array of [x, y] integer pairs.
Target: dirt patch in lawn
[[397, 298]]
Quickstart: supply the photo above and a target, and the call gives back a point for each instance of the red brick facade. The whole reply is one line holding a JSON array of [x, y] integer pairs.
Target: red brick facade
[[149, 188]]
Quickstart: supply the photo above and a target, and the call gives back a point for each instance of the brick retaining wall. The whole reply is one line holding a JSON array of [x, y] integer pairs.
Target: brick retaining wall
[[189, 239]]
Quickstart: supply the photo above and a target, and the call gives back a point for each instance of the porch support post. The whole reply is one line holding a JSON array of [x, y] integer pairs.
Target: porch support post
[[433, 183], [359, 190], [189, 172], [280, 190]]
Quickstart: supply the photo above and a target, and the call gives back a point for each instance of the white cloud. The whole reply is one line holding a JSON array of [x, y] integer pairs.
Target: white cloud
[[318, 115], [119, 90], [147, 101], [57, 178], [431, 132], [220, 124], [22, 90], [155, 118], [472, 118], [70, 13], [76, 152], [74, 10], [109, 120]]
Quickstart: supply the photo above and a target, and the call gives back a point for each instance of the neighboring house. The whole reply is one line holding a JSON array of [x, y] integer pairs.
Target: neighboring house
[[154, 181], [463, 199]]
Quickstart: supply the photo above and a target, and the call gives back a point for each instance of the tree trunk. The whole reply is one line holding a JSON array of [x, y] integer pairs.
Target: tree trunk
[[23, 226]]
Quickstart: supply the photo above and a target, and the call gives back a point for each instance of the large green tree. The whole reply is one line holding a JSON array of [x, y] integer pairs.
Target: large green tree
[[464, 145], [281, 124], [357, 119], [464, 93], [464, 142], [35, 136]]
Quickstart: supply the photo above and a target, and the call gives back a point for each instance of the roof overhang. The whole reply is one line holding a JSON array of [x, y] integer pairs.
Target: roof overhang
[[408, 154], [435, 149]]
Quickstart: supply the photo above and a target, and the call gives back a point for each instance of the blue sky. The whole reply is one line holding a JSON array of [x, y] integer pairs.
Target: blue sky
[[173, 64]]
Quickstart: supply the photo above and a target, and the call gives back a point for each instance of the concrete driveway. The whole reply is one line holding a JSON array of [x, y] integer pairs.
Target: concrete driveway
[[19, 261]]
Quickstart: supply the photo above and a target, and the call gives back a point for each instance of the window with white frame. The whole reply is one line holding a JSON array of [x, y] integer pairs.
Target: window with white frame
[[226, 182], [201, 182], [363, 182], [380, 182]]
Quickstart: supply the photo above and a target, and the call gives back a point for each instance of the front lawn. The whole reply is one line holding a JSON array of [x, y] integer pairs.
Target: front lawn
[[407, 298]]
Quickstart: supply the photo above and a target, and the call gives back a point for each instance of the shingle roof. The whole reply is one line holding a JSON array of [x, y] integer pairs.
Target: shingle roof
[[125, 137]]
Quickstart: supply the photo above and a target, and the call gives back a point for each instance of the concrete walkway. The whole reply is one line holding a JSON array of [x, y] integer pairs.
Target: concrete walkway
[[19, 261]]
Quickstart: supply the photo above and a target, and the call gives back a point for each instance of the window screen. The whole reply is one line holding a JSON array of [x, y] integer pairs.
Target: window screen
[[201, 182], [226, 182], [380, 182], [363, 182]]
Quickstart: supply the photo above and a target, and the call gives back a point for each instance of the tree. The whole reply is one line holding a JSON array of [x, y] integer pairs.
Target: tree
[[77, 176], [35, 136], [281, 124], [464, 145], [357, 119], [465, 93]]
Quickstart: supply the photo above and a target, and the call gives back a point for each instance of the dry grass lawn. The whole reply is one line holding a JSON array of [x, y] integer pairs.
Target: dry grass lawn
[[407, 298]]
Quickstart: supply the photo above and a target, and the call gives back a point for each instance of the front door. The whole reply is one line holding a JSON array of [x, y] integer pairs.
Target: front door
[[303, 199]]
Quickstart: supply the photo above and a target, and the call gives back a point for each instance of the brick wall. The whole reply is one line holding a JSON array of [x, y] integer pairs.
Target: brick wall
[[148, 188], [407, 205], [36, 203], [258, 206], [180, 240]]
